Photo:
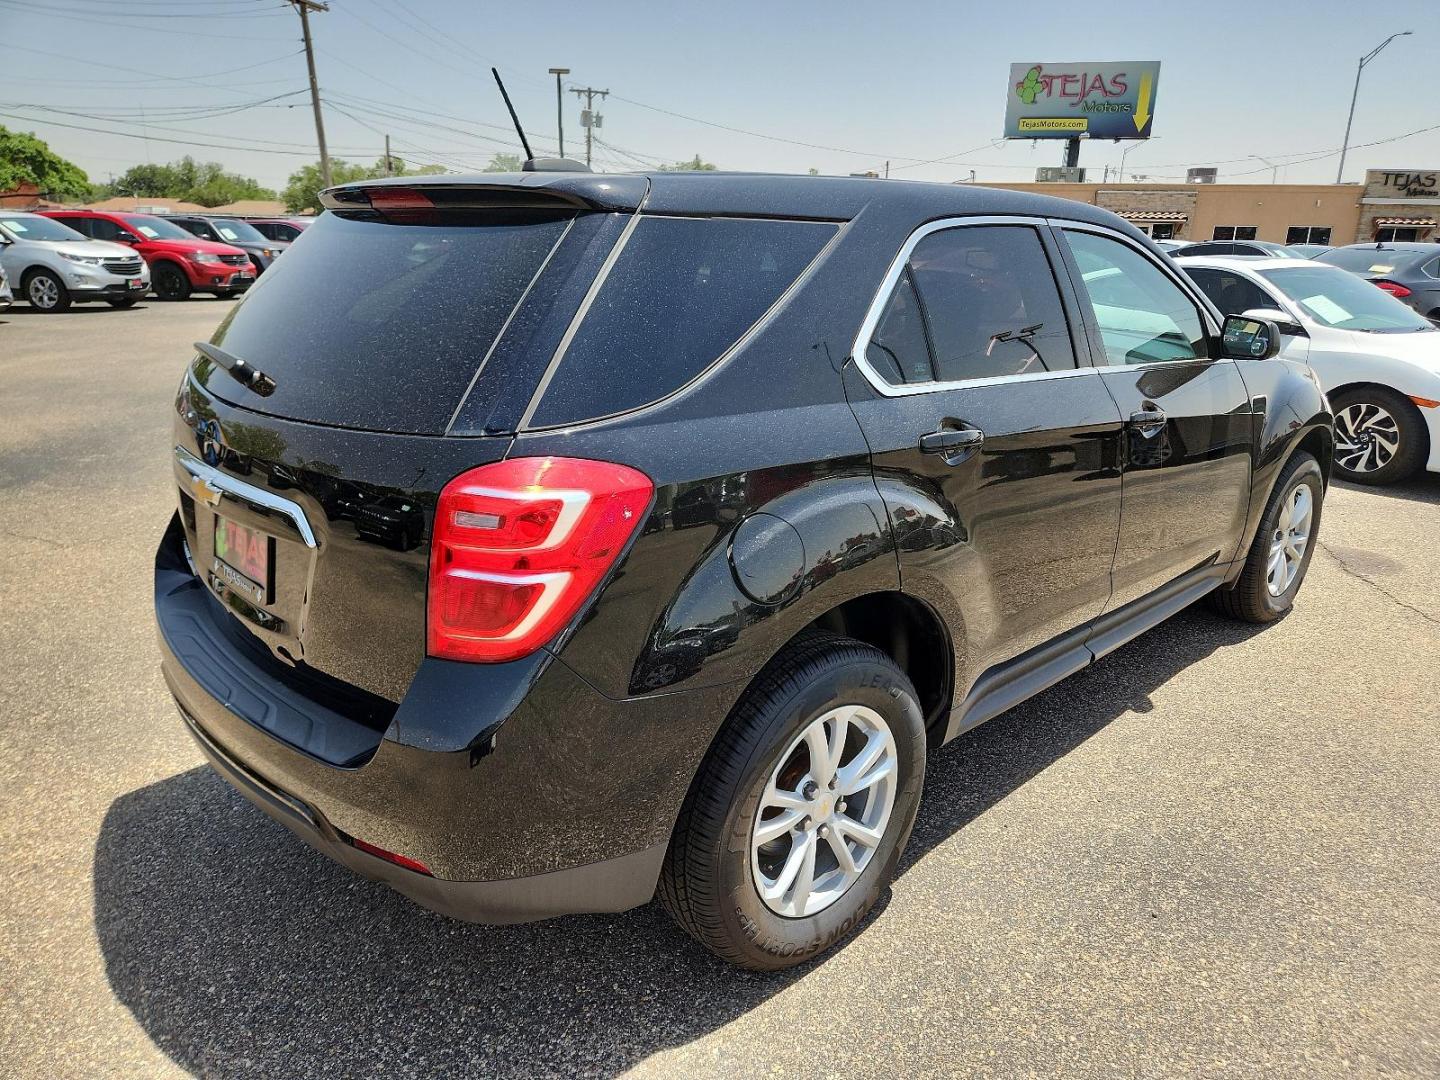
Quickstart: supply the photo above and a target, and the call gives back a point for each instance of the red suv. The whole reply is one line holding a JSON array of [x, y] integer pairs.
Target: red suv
[[180, 263]]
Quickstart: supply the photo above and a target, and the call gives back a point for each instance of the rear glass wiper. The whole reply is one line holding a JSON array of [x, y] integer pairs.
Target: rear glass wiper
[[250, 377]]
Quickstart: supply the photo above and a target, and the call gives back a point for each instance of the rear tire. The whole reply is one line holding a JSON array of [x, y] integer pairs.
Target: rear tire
[[1379, 435], [1273, 574], [46, 292], [761, 775], [170, 282]]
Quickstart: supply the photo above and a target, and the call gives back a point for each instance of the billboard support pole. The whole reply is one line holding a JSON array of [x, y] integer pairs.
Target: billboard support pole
[[1072, 152]]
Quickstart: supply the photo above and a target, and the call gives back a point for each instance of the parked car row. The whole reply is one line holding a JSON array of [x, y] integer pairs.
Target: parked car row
[[1378, 360], [56, 258]]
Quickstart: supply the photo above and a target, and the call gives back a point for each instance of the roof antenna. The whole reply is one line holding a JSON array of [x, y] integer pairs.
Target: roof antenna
[[532, 163]]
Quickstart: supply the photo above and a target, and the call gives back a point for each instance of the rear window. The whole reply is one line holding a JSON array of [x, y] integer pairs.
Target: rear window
[[1367, 260], [381, 326], [680, 294]]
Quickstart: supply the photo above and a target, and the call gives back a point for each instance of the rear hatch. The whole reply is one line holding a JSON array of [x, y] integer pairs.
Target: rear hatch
[[399, 347]]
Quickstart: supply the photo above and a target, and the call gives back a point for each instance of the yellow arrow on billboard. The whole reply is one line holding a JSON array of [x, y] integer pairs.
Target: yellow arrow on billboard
[[1142, 103]]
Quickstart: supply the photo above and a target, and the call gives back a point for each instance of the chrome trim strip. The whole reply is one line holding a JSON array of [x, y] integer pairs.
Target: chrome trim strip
[[574, 327], [500, 336], [887, 286], [247, 493]]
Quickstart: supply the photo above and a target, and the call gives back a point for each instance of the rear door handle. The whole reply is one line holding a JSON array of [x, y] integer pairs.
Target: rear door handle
[[1148, 420], [952, 442]]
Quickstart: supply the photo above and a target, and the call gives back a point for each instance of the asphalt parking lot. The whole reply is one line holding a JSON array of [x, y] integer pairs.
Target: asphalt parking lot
[[1217, 853]]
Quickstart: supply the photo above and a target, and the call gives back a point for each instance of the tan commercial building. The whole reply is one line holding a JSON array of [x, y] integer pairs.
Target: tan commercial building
[[1392, 204]]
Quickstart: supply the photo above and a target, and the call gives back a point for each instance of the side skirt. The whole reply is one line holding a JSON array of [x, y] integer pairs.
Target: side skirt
[[1006, 685]]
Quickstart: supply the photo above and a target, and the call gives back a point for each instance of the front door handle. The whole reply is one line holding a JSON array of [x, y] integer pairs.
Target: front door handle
[[954, 443], [1148, 421]]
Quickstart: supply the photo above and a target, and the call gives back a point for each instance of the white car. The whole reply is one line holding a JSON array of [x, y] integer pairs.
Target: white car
[[1378, 360], [53, 266]]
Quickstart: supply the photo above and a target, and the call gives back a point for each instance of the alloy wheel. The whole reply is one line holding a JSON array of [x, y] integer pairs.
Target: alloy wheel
[[44, 293], [1290, 539], [824, 811], [1367, 437]]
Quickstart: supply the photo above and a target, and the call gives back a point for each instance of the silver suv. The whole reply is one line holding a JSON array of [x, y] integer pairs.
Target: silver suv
[[53, 266]]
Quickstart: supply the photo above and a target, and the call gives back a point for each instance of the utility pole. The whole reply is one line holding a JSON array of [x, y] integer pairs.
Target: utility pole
[[387, 156], [559, 108], [305, 7], [1345, 145], [887, 170], [589, 118]]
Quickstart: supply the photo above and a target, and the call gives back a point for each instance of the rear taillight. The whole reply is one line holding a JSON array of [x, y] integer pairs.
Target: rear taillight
[[519, 546], [1394, 288]]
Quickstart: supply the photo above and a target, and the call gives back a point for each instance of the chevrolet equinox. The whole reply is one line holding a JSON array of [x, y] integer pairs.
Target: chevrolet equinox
[[549, 542]]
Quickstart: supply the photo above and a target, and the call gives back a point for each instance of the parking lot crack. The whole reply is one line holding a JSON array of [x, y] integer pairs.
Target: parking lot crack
[[1377, 586], [35, 539]]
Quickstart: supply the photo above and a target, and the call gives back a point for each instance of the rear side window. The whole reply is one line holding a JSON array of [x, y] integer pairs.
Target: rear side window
[[381, 326], [984, 299], [680, 294]]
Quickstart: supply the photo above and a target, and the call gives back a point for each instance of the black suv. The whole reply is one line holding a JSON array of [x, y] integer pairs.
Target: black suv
[[548, 541], [263, 251]]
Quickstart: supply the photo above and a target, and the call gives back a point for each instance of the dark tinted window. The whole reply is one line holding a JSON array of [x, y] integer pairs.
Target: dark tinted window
[[84, 226], [381, 326], [990, 303], [105, 229], [681, 293], [197, 227], [898, 350], [1231, 293]]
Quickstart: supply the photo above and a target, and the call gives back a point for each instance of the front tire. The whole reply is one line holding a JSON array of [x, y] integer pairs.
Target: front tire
[[798, 815], [170, 282], [46, 292], [1379, 435], [1280, 553]]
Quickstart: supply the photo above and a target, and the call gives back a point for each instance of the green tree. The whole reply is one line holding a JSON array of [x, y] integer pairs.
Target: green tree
[[24, 159], [695, 165], [303, 190], [203, 182], [505, 163]]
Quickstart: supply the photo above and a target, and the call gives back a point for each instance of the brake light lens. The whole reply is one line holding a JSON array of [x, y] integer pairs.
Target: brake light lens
[[1394, 288], [519, 546]]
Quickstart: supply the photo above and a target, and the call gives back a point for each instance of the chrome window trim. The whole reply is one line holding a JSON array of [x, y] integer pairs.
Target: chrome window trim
[[887, 288], [227, 484]]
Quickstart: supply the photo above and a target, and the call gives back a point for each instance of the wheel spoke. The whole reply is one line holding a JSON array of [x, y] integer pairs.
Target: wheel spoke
[[776, 889], [805, 879], [843, 856], [768, 829], [863, 834], [852, 775], [822, 770], [777, 796]]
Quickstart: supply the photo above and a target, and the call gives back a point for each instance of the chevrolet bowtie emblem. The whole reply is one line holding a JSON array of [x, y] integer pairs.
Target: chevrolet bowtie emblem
[[204, 491]]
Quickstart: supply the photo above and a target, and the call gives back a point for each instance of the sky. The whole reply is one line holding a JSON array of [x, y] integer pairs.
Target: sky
[[839, 87]]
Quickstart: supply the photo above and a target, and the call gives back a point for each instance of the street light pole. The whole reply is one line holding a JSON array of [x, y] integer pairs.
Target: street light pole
[[1345, 145], [1274, 169], [559, 107]]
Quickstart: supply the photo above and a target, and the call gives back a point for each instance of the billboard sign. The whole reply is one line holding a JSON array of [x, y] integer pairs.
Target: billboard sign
[[1096, 101]]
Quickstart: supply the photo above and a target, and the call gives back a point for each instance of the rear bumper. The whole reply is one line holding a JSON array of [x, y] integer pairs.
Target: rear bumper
[[613, 885], [524, 791]]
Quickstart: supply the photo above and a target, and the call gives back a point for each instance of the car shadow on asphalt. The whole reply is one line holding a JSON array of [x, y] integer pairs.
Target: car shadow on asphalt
[[1423, 487], [241, 952]]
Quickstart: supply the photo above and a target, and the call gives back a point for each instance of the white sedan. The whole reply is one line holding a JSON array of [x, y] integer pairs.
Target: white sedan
[[1378, 361]]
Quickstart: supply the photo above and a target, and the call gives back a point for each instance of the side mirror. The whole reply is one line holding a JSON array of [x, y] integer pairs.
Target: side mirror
[[1288, 326], [127, 238], [1244, 338]]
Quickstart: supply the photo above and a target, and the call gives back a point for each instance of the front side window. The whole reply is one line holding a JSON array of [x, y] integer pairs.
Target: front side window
[[105, 229], [1141, 315], [1231, 293], [974, 302], [199, 228]]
